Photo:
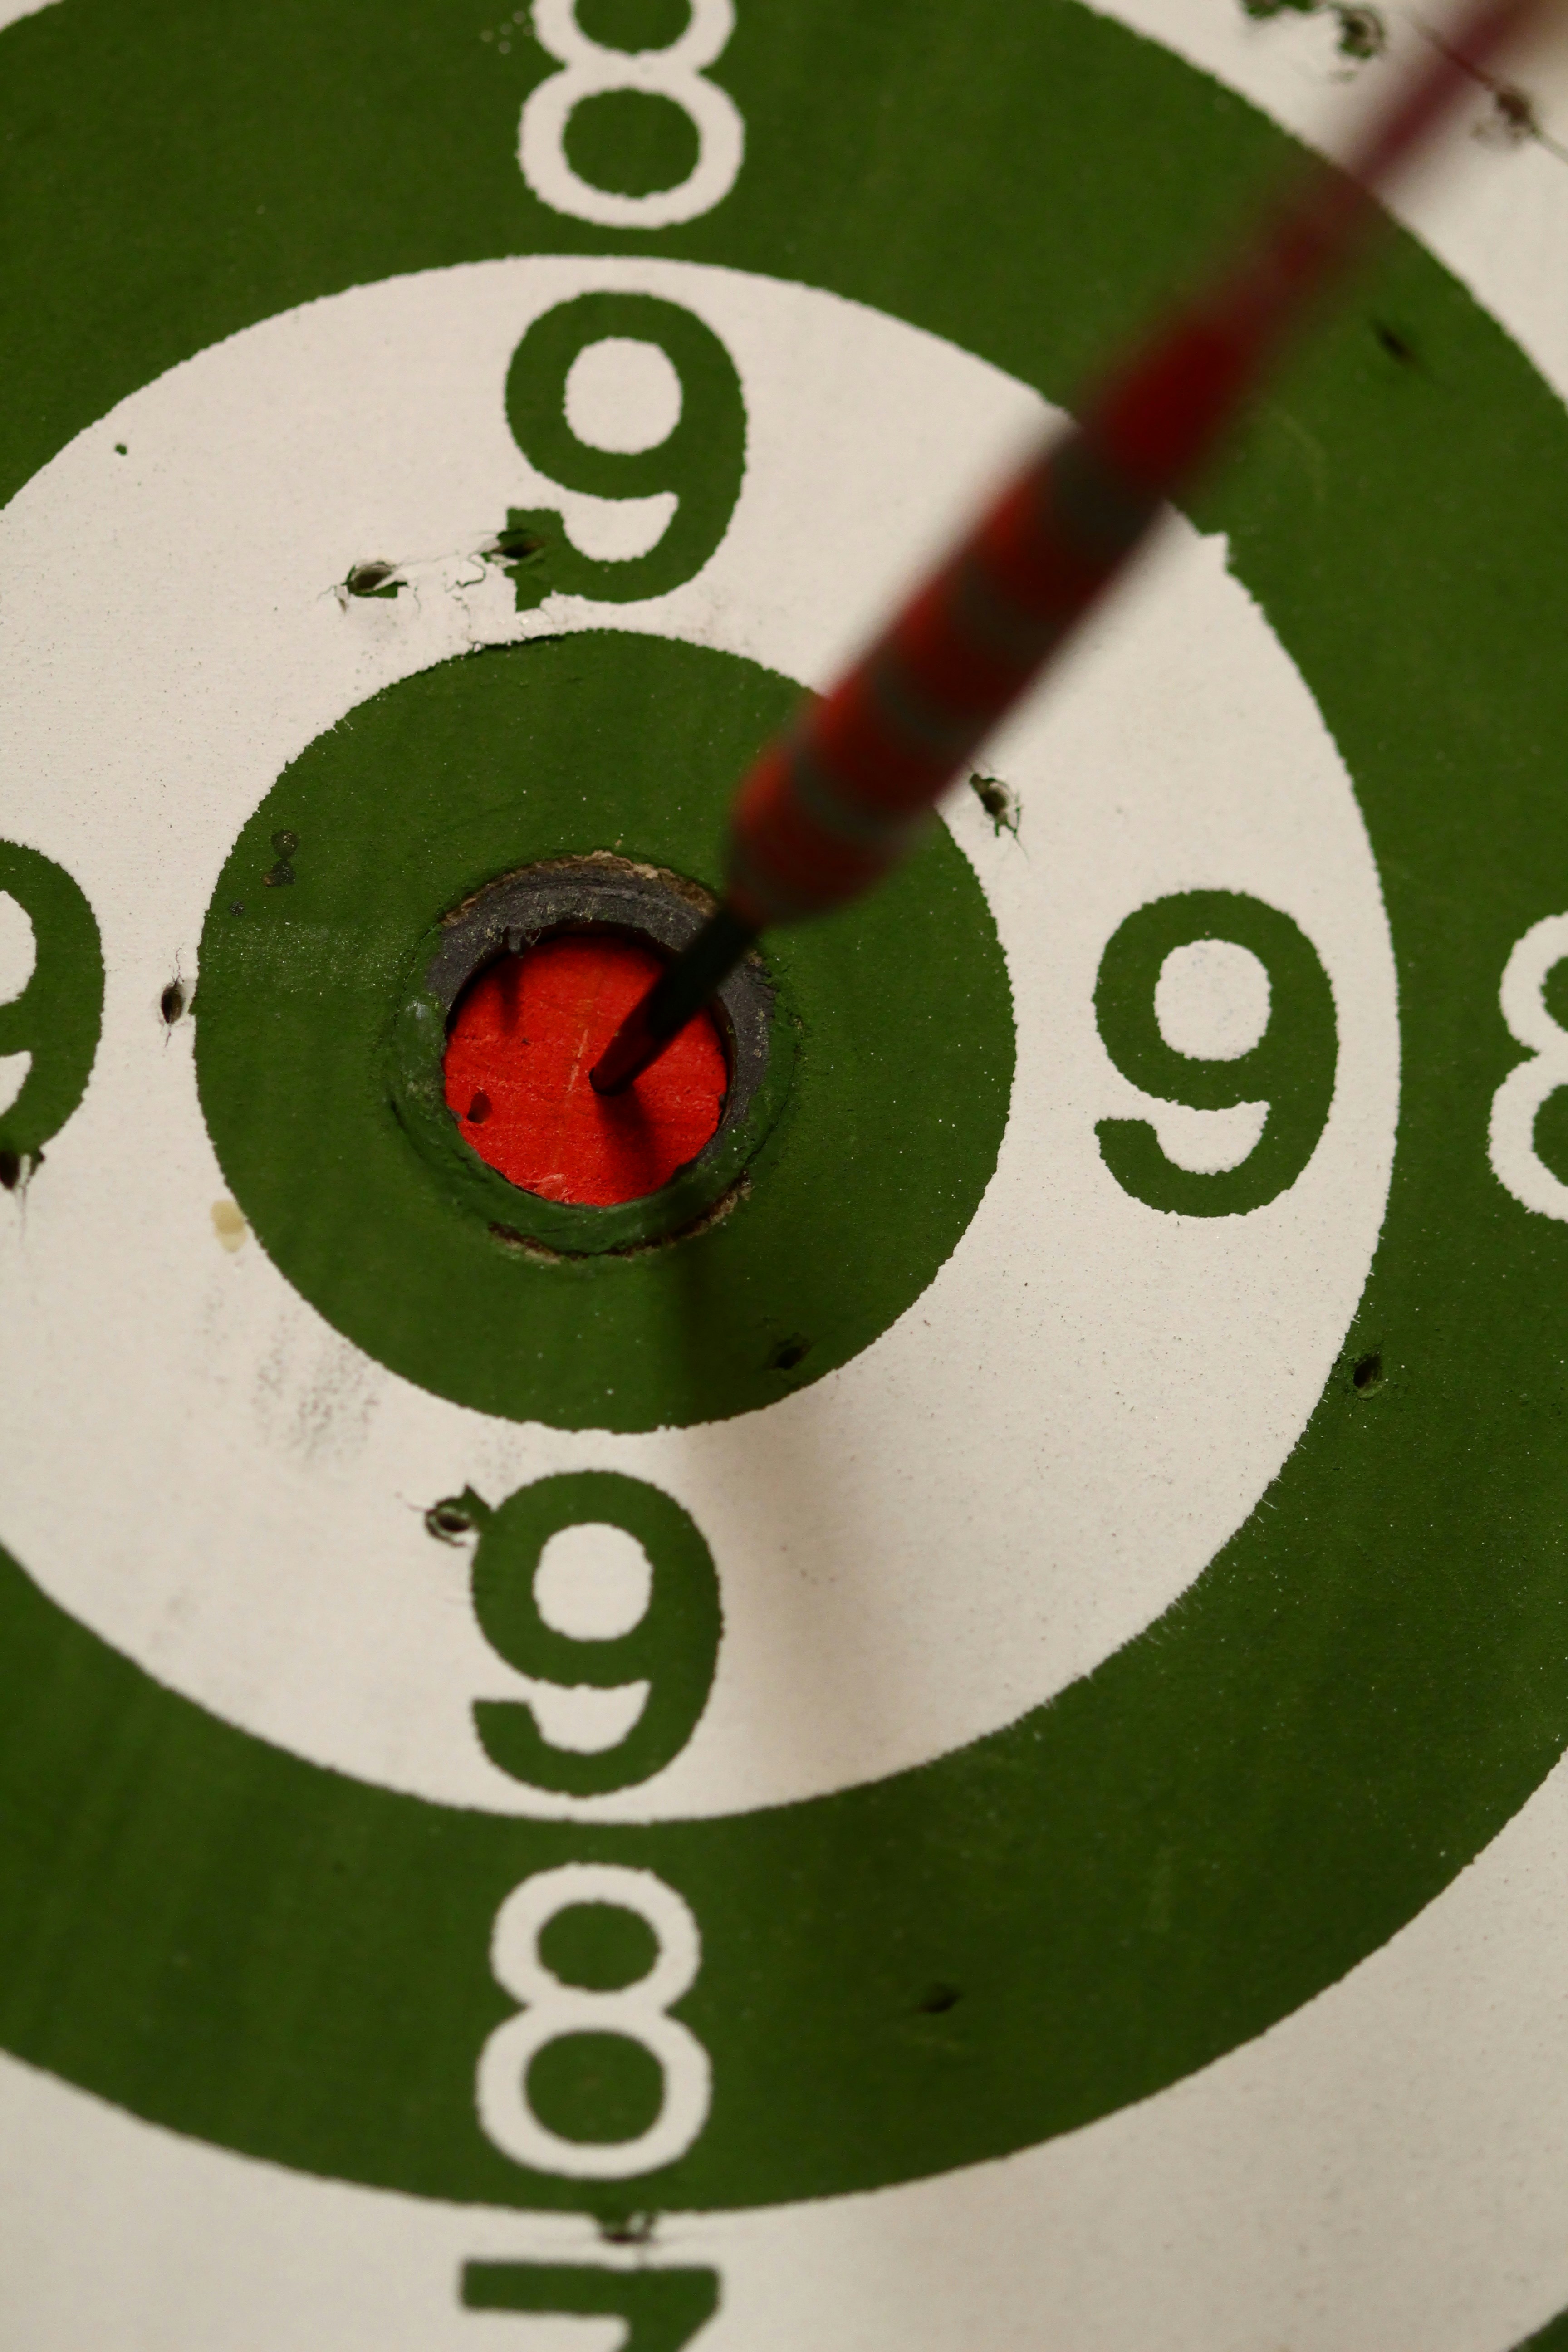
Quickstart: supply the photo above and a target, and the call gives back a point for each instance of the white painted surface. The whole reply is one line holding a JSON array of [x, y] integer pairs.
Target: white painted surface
[[1211, 999], [18, 949], [622, 394], [593, 1583]]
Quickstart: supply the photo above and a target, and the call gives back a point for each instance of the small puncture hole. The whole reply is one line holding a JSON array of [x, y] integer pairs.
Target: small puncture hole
[[628, 2229], [449, 1520], [789, 1354], [370, 579], [1399, 347], [939, 1999], [1368, 1374]]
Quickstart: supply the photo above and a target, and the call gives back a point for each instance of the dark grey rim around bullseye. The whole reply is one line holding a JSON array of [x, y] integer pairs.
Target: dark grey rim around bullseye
[[603, 892]]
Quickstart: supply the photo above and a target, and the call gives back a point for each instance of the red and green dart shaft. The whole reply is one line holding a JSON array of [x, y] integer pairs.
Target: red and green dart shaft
[[835, 802]]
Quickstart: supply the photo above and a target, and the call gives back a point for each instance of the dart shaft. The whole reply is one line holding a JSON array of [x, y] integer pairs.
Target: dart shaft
[[834, 805], [676, 997]]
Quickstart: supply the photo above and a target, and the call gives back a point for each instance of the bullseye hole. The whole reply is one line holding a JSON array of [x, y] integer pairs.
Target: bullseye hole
[[523, 1036]]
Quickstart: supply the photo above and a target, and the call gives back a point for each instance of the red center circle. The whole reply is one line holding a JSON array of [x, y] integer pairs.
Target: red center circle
[[527, 1031]]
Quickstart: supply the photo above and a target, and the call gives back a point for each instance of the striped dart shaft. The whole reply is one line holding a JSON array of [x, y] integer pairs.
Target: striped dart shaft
[[834, 805]]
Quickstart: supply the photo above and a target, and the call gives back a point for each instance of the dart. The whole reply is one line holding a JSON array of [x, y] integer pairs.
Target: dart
[[835, 802]]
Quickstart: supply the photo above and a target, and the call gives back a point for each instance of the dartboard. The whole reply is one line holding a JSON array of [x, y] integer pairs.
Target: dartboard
[[933, 1721]]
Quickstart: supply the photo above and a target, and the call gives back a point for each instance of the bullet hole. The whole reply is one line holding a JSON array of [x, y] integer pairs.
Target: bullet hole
[[1404, 353], [1510, 120], [285, 844], [524, 558], [480, 1109], [375, 579], [1363, 33], [172, 1004], [1368, 1374], [10, 1168], [939, 1999], [628, 2229], [999, 805], [517, 542], [449, 1520], [789, 1354]]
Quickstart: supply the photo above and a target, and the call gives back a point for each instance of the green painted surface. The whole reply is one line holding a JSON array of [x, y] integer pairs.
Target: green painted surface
[[1373, 1675]]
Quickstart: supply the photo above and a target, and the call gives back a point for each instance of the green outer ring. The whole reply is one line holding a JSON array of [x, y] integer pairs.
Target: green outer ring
[[1372, 1676]]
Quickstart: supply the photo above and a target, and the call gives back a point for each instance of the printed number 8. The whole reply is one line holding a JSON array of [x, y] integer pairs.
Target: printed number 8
[[587, 71], [674, 1646], [1291, 1066], [1528, 1088], [702, 461], [554, 2010]]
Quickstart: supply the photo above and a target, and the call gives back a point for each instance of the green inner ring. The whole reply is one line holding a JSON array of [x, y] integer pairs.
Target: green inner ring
[[893, 1049]]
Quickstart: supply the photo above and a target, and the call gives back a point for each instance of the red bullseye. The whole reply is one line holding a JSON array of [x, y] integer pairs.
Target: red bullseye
[[524, 1038]]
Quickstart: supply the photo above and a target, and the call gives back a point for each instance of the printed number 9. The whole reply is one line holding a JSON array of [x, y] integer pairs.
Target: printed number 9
[[673, 1647], [56, 1018], [1290, 1068], [702, 460]]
